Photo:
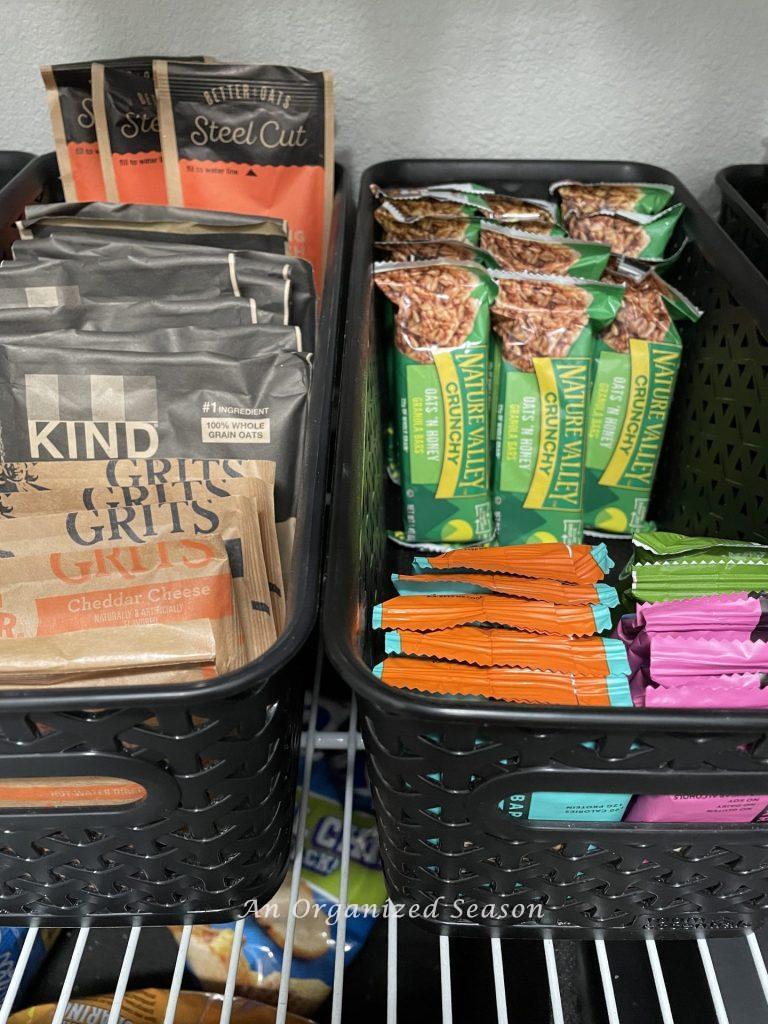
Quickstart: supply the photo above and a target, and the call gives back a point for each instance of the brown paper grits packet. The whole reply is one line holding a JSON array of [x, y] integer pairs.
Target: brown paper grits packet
[[443, 612], [112, 593], [259, 491], [255, 139], [148, 1006], [86, 531]]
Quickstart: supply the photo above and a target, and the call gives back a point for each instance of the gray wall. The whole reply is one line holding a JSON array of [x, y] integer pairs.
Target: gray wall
[[675, 82]]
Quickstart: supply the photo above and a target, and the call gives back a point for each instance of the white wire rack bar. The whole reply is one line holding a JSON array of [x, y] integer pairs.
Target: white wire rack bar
[[752, 968]]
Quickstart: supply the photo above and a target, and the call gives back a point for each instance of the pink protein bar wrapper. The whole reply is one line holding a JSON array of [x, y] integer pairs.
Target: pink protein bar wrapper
[[738, 612], [692, 810], [734, 691], [675, 655]]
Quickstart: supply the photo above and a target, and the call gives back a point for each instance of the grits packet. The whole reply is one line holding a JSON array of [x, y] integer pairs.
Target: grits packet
[[443, 611], [543, 363], [498, 583], [583, 656], [441, 339], [62, 592], [567, 563], [150, 1006], [579, 197], [514, 248], [254, 138], [146, 223], [500, 683], [70, 106], [640, 236]]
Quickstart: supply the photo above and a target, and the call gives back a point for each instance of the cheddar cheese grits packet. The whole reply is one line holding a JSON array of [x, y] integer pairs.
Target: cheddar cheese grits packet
[[57, 590], [582, 656], [256, 139], [514, 248], [259, 490], [70, 106], [421, 613], [500, 683], [88, 531], [546, 328], [568, 563], [146, 223], [441, 348]]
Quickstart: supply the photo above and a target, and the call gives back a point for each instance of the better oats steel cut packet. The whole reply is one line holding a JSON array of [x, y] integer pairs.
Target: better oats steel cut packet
[[441, 349]]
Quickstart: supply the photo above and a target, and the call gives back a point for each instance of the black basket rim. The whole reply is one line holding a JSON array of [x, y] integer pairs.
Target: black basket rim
[[743, 279], [731, 193], [310, 514]]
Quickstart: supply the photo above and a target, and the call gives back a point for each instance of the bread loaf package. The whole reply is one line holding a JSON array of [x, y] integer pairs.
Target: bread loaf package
[[257, 139]]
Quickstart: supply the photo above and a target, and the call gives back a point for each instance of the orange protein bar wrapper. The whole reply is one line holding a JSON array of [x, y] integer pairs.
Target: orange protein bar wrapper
[[569, 563], [510, 684], [252, 139], [443, 612], [582, 656], [499, 583]]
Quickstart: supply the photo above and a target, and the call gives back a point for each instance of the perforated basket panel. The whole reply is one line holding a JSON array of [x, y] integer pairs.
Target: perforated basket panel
[[445, 841], [217, 836]]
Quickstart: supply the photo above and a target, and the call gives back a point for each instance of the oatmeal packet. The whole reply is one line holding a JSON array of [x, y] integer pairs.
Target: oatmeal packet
[[567, 563], [629, 407], [234, 519], [521, 686], [640, 236], [516, 249], [441, 348], [421, 614], [497, 583], [581, 656], [147, 223], [70, 106], [254, 138], [543, 362], [60, 592], [579, 197]]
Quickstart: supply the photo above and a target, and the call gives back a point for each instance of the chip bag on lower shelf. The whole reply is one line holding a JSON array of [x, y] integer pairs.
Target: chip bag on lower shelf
[[317, 911]]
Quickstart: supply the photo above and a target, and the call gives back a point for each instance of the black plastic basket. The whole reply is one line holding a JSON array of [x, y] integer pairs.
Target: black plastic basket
[[12, 162], [217, 759], [439, 767], [744, 208]]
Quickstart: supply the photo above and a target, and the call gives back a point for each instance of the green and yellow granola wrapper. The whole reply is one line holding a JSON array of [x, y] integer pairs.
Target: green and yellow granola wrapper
[[515, 248], [546, 328], [582, 197], [440, 366], [635, 235], [628, 412]]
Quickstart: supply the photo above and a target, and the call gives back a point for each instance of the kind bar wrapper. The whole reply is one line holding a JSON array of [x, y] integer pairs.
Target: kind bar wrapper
[[631, 398], [441, 385], [62, 591], [578, 197], [128, 134], [70, 105], [546, 328], [628, 234], [520, 251], [40, 501], [443, 612], [584, 656], [92, 530], [649, 309], [253, 139], [150, 1005], [510, 684], [513, 586], [99, 404], [568, 563]]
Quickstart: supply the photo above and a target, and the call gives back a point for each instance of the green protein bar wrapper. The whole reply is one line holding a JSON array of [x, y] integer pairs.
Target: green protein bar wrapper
[[637, 235], [628, 411], [670, 566], [441, 350], [516, 249], [546, 328]]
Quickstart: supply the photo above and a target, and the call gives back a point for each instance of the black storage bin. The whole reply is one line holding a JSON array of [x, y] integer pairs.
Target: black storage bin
[[744, 207], [439, 767], [218, 759], [12, 163]]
